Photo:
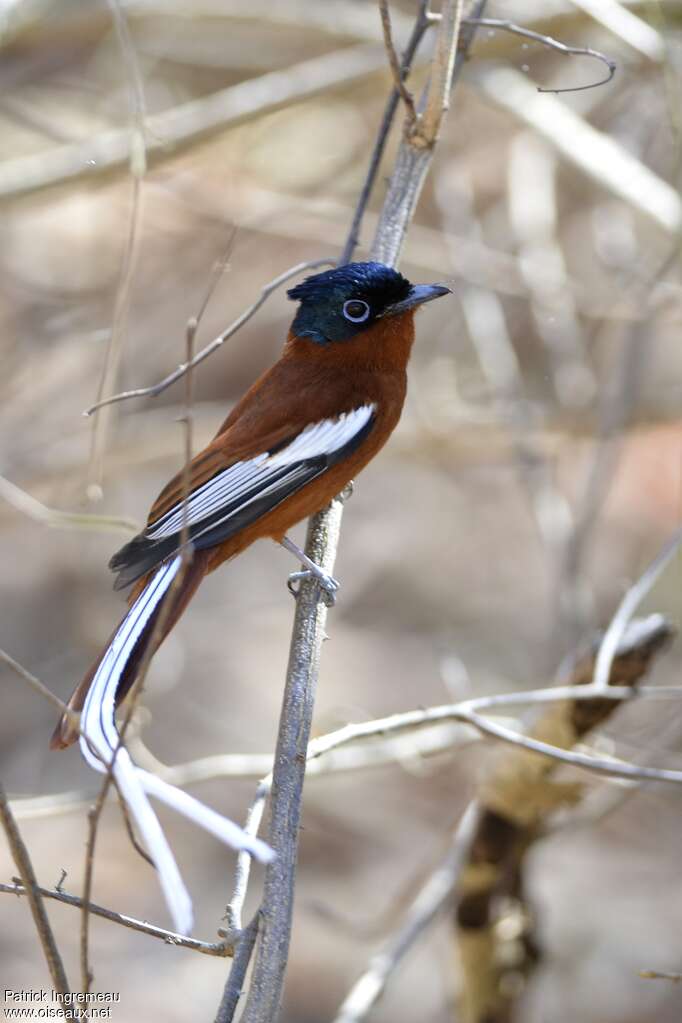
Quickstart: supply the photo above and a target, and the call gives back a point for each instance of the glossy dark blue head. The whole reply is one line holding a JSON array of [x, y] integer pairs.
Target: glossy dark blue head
[[338, 304]]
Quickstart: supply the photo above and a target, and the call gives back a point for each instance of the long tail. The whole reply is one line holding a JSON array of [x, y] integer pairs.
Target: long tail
[[97, 697], [132, 635]]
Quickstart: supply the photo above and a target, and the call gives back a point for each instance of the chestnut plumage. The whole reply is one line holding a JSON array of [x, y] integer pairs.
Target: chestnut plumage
[[297, 437]]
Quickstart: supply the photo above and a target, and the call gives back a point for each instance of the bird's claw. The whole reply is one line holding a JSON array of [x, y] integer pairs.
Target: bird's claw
[[328, 585], [347, 492]]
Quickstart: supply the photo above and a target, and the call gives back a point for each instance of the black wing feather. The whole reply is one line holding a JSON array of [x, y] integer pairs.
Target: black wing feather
[[141, 554]]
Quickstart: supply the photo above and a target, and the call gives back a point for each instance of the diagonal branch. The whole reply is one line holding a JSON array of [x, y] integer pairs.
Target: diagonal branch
[[210, 948], [33, 892], [185, 367]]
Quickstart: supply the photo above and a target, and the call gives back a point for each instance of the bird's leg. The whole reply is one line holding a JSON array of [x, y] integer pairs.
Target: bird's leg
[[329, 585]]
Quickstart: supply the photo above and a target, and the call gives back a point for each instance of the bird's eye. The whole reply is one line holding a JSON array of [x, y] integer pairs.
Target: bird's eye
[[355, 310]]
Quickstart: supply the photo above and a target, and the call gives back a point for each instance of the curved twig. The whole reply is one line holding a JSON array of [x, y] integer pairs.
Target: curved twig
[[177, 374], [553, 44]]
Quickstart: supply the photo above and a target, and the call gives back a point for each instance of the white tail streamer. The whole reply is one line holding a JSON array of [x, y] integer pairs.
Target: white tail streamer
[[100, 740]]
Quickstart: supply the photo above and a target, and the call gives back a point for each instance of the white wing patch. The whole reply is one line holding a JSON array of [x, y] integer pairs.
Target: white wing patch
[[259, 476]]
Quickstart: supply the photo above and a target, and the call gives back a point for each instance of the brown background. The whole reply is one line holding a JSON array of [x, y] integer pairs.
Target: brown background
[[450, 586]]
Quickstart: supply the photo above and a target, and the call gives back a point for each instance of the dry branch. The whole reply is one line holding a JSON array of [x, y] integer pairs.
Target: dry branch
[[168, 131], [23, 863], [517, 796], [597, 155], [641, 643], [265, 993], [210, 948]]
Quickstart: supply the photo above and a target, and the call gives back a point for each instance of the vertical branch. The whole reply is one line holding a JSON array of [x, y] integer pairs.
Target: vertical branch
[[25, 867], [138, 166], [421, 24], [413, 160]]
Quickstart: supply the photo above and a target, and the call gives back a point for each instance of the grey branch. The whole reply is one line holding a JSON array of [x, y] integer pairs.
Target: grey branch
[[209, 948], [34, 894], [265, 993], [267, 290]]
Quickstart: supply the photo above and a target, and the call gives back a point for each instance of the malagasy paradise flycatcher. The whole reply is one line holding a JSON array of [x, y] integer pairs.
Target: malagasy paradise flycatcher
[[299, 435]]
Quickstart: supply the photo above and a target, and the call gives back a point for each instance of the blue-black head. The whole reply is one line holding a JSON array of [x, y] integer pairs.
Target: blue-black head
[[338, 304]]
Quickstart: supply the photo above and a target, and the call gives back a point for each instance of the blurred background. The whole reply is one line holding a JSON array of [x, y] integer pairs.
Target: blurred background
[[536, 470]]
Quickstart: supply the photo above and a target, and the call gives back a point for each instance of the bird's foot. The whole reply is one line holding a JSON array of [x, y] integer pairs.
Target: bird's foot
[[347, 492], [327, 583]]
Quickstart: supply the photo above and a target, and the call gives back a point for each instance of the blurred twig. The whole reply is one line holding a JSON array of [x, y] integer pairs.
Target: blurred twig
[[58, 519], [626, 609], [627, 25], [167, 131], [157, 633], [177, 374], [430, 900], [407, 751], [138, 166], [594, 153], [37, 685], [23, 863]]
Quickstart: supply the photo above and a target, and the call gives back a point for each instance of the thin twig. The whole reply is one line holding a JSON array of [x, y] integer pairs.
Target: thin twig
[[23, 863], [421, 25], [211, 948], [266, 291], [138, 166], [38, 686], [397, 67], [554, 44], [235, 985], [627, 607], [57, 519]]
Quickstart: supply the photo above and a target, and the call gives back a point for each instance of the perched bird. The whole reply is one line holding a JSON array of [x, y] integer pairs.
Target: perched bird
[[297, 437], [294, 441]]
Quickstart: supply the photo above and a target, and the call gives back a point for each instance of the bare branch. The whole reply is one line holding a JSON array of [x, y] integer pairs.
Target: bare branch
[[516, 797], [235, 984], [437, 100], [596, 154], [167, 131], [419, 28], [553, 44], [308, 629], [397, 67], [138, 166], [38, 686], [645, 639], [216, 948], [33, 893], [627, 607], [57, 519]]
